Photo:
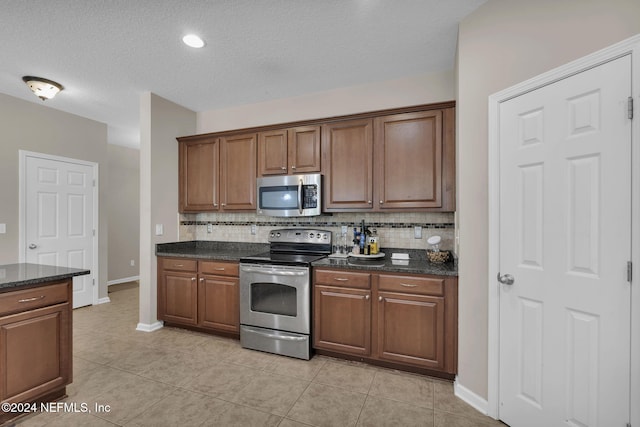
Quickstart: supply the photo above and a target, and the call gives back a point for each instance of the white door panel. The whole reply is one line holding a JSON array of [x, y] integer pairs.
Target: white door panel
[[59, 219], [565, 235]]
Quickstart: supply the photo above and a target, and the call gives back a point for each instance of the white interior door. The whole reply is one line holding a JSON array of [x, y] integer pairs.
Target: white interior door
[[565, 237], [59, 227]]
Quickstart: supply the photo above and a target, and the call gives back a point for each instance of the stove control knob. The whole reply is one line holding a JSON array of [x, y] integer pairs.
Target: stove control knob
[[311, 235], [324, 236], [272, 234], [277, 234]]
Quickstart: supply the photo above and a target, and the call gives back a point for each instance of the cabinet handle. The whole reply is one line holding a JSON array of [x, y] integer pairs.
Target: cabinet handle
[[366, 297], [224, 204], [31, 299], [340, 279], [408, 285], [293, 167], [193, 279], [202, 279], [215, 205], [381, 202], [369, 201], [178, 265], [284, 168], [219, 269], [380, 299]]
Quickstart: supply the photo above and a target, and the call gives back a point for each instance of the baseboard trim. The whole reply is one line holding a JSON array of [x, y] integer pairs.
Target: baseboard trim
[[123, 280], [477, 402], [146, 327], [104, 300]]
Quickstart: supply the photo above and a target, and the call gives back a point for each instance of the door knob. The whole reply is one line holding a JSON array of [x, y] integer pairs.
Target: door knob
[[33, 246], [506, 279]]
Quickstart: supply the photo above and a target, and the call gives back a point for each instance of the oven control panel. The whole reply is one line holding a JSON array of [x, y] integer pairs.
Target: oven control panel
[[288, 235]]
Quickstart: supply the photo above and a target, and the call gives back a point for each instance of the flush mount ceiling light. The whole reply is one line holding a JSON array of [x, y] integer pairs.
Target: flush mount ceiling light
[[43, 88], [192, 40]]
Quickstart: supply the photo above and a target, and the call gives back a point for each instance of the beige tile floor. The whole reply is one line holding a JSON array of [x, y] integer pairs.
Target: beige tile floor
[[173, 377]]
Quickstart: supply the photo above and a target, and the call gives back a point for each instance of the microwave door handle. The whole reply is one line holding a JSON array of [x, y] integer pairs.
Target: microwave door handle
[[300, 197]]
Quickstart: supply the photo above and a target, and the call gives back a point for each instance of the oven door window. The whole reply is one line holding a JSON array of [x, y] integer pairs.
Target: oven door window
[[273, 298]]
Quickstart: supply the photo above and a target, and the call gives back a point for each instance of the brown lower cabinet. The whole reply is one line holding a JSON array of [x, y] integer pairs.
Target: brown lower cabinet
[[406, 321], [35, 344], [201, 294]]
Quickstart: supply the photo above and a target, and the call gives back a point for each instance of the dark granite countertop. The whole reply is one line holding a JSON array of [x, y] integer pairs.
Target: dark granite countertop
[[417, 263], [233, 251], [202, 249], [15, 276]]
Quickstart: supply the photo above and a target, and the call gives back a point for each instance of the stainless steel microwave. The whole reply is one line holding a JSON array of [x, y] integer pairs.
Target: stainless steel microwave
[[290, 195]]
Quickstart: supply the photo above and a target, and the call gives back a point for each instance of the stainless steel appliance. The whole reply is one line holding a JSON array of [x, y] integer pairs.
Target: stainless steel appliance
[[289, 195], [275, 292]]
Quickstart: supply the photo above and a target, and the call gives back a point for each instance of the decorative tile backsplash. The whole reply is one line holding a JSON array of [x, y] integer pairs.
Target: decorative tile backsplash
[[395, 230]]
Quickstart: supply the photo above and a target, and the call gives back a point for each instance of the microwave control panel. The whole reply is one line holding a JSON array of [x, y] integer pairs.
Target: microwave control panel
[[309, 196]]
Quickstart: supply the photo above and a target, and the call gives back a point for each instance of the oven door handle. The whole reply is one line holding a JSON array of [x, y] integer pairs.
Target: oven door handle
[[273, 272], [277, 337]]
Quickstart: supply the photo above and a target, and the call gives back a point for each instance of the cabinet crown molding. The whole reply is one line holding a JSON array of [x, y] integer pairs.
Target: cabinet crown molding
[[319, 121]]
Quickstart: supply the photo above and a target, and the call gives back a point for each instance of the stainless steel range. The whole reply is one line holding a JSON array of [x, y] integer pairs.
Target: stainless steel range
[[275, 292]]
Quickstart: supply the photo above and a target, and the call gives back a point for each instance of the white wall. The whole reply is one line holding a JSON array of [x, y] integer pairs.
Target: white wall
[[124, 212], [161, 121], [415, 90], [32, 126], [503, 43]]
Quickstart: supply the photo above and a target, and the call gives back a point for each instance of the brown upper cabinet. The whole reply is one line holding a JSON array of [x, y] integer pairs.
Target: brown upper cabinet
[[218, 174], [411, 163], [199, 176], [347, 151], [397, 160], [238, 172], [289, 151]]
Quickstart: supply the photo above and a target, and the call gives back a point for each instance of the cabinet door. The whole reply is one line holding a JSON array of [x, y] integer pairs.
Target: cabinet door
[[347, 154], [218, 303], [409, 156], [272, 152], [411, 329], [198, 176], [35, 352], [178, 298], [239, 171], [304, 149], [342, 320]]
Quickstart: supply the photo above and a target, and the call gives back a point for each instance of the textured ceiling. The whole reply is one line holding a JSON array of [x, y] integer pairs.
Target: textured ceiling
[[106, 53]]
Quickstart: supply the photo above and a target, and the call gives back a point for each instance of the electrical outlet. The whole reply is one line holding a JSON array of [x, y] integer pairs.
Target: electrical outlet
[[417, 232], [209, 228], [133, 263], [253, 229], [159, 230], [3, 228], [344, 230]]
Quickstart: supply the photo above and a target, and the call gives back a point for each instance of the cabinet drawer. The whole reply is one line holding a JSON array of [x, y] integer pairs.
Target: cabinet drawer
[[411, 284], [28, 299], [343, 278], [219, 268], [178, 264]]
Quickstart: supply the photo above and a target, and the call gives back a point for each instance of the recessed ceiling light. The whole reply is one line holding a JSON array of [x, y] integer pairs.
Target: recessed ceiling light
[[192, 40]]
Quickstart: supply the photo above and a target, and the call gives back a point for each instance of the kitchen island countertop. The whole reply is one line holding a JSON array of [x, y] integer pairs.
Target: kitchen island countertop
[[23, 275]]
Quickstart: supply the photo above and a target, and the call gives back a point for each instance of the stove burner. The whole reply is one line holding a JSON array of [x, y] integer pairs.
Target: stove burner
[[294, 247]]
